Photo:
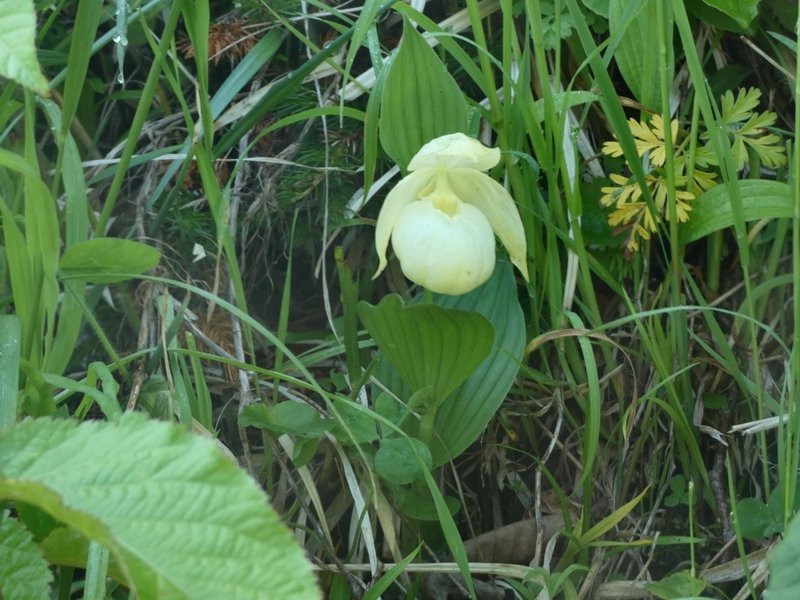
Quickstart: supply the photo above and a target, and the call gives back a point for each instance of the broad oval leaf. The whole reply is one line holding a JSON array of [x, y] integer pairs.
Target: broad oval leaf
[[18, 45], [464, 414], [420, 99], [433, 348], [182, 520], [108, 260], [753, 518], [400, 460], [713, 210]]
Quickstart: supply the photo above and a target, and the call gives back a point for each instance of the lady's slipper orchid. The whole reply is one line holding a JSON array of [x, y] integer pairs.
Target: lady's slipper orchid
[[443, 216]]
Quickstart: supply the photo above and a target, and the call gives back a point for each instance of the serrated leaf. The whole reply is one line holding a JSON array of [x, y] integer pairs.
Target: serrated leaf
[[713, 210], [637, 54], [108, 260], [434, 348], [18, 59], [420, 99], [182, 520], [741, 11], [784, 576], [24, 574], [400, 460]]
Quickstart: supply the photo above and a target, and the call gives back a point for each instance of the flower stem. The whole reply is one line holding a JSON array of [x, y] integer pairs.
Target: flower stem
[[426, 426]]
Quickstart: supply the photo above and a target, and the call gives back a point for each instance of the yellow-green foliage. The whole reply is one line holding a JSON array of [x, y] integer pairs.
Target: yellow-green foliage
[[691, 175]]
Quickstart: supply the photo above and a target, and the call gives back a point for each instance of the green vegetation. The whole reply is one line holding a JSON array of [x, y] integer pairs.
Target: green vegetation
[[221, 375]]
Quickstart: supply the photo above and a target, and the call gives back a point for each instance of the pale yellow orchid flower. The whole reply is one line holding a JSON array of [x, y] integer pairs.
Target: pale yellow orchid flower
[[443, 216]]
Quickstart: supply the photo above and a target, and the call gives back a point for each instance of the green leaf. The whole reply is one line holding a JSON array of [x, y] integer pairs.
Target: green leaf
[[66, 547], [776, 500], [390, 409], [182, 520], [286, 417], [400, 460], [24, 574], [353, 424], [678, 585], [464, 414], [434, 348], [419, 504], [637, 54], [599, 7], [108, 260], [420, 100], [387, 579], [753, 518], [18, 45], [784, 576], [713, 210], [741, 11]]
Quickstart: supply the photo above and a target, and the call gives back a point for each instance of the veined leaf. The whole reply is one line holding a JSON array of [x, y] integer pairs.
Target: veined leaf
[[182, 520], [17, 45], [637, 55], [761, 199], [466, 411], [420, 100], [24, 574], [433, 348]]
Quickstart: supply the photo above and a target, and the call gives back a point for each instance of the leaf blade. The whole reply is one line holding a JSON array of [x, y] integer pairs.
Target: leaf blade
[[184, 521], [108, 260], [18, 59]]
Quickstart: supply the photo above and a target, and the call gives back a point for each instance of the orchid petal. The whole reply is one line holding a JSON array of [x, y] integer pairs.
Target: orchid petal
[[402, 195], [455, 150], [498, 207], [445, 254]]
